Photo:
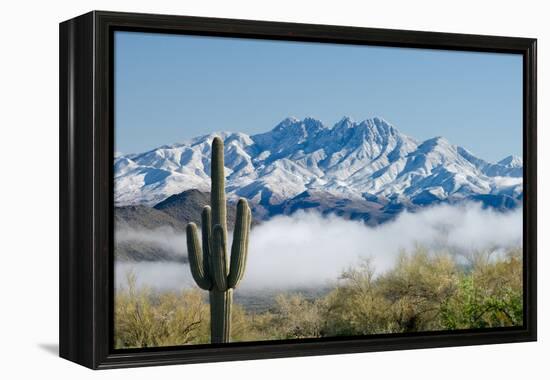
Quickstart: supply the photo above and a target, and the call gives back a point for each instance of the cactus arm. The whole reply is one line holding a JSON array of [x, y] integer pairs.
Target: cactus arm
[[239, 248], [196, 258], [206, 229], [248, 231], [218, 185], [219, 261], [249, 218]]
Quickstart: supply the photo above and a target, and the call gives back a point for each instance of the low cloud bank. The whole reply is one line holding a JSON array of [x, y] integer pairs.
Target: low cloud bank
[[307, 249], [160, 275], [163, 238]]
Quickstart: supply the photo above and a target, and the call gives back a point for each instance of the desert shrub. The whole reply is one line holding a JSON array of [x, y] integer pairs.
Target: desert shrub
[[250, 326], [489, 295], [407, 298], [417, 287], [291, 317], [296, 317], [147, 319], [356, 306], [424, 291], [144, 318]]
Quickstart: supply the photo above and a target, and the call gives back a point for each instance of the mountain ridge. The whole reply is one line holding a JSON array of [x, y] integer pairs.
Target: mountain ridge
[[353, 160]]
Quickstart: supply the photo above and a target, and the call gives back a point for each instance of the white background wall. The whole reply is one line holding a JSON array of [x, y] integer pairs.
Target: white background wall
[[29, 187]]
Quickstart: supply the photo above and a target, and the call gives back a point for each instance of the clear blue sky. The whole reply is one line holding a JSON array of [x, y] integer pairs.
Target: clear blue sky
[[172, 87]]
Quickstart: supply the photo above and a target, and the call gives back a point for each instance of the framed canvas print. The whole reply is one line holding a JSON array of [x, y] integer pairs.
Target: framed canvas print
[[237, 189]]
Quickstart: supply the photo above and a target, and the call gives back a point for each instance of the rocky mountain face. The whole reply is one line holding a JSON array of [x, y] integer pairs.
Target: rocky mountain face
[[306, 161]]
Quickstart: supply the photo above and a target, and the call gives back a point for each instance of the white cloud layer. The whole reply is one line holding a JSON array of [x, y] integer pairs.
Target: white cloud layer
[[308, 249]]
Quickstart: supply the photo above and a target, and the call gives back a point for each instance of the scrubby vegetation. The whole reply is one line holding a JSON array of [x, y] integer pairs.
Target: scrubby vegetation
[[423, 292]]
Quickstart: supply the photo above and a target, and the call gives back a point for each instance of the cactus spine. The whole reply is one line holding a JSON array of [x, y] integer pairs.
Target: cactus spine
[[210, 267]]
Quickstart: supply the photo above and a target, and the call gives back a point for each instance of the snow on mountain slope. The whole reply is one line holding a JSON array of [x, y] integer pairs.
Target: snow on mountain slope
[[353, 160]]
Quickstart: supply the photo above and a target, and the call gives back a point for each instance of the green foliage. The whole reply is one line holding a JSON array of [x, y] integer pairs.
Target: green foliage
[[422, 292], [210, 266], [489, 296], [416, 288]]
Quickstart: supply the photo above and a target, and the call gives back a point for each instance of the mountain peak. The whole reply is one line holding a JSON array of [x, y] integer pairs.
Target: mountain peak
[[438, 145], [511, 161], [436, 141], [375, 124], [347, 119], [381, 122], [312, 122], [348, 159], [293, 122], [345, 122], [378, 119], [287, 133], [379, 126], [286, 122]]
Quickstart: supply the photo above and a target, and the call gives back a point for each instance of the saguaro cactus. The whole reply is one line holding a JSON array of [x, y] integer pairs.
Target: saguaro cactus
[[210, 267]]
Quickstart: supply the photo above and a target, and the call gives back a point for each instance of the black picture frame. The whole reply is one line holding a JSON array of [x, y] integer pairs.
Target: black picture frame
[[86, 184]]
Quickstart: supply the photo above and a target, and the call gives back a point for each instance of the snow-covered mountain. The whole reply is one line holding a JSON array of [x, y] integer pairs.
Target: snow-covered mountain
[[354, 161]]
